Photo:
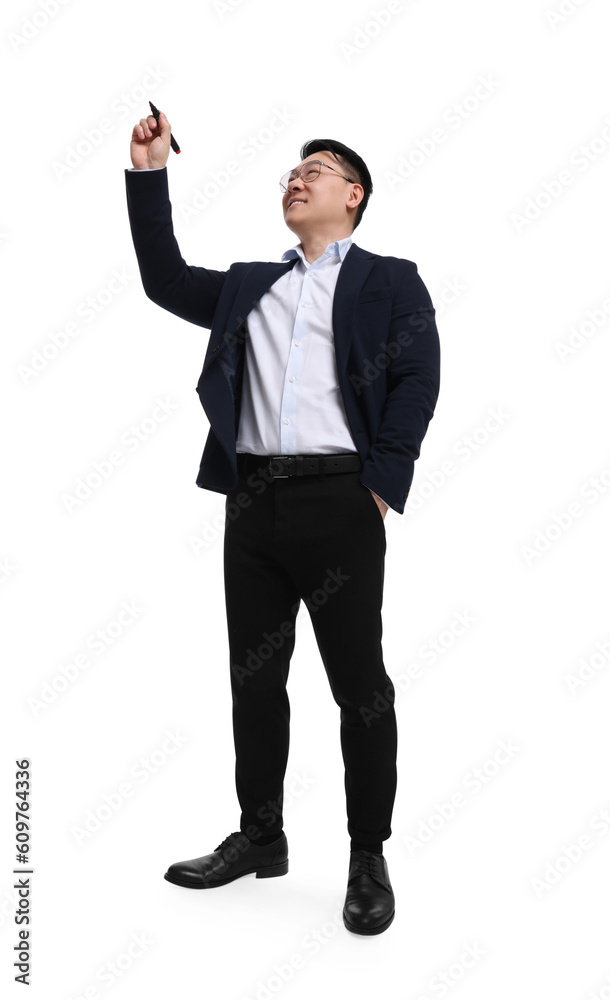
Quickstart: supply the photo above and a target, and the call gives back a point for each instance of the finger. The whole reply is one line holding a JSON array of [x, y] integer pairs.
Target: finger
[[143, 130], [148, 125]]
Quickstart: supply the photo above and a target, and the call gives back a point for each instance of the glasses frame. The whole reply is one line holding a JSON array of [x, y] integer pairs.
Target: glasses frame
[[298, 172]]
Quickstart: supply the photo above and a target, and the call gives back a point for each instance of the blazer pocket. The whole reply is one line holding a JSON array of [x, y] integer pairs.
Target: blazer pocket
[[376, 293]]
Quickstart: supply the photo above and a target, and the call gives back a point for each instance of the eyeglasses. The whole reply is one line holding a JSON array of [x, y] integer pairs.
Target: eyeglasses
[[309, 172]]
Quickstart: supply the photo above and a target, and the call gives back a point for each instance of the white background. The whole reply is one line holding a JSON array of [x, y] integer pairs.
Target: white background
[[507, 520]]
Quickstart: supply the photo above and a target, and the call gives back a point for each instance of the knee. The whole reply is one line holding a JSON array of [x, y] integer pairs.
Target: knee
[[378, 705]]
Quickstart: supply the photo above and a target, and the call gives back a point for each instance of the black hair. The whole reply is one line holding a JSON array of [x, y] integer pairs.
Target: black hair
[[353, 165]]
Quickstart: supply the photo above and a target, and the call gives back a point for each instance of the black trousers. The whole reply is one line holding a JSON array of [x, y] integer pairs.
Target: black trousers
[[320, 540]]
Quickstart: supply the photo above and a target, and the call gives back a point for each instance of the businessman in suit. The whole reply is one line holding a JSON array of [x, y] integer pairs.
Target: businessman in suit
[[320, 378]]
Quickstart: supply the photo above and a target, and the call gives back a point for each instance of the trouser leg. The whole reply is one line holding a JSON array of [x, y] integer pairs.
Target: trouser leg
[[334, 539], [261, 606]]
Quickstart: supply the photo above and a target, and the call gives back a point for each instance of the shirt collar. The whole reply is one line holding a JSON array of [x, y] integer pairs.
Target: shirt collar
[[338, 248]]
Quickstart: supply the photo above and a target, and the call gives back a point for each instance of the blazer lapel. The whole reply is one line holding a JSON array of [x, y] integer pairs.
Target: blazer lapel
[[253, 286], [354, 271]]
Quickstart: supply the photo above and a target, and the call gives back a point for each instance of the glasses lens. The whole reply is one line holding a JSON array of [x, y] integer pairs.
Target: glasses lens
[[310, 170]]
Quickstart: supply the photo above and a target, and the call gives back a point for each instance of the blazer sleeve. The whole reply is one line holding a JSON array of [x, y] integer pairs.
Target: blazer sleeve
[[413, 382], [189, 292]]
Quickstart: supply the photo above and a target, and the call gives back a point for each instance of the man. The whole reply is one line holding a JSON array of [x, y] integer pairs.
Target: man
[[321, 375]]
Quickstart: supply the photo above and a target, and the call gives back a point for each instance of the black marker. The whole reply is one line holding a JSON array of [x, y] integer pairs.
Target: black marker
[[172, 141]]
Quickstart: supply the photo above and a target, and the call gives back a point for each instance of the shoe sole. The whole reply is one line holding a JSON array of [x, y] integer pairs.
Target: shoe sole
[[272, 871], [368, 930]]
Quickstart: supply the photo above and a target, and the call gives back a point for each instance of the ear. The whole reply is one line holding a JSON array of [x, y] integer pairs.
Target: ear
[[353, 200], [355, 196]]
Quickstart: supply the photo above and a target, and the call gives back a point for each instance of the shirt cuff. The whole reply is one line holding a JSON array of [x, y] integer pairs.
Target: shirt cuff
[[138, 170], [379, 498]]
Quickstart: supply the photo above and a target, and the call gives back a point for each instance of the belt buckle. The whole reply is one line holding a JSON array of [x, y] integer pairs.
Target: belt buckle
[[277, 458]]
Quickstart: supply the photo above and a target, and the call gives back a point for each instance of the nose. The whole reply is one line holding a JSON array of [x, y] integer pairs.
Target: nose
[[295, 185]]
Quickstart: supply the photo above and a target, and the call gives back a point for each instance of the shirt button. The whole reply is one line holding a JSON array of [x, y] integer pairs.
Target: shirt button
[[303, 305], [291, 379], [286, 420], [297, 343]]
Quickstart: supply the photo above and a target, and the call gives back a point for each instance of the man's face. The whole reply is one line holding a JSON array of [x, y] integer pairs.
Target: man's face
[[320, 204]]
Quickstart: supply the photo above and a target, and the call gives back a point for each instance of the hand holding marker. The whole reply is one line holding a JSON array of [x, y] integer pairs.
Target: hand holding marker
[[173, 143]]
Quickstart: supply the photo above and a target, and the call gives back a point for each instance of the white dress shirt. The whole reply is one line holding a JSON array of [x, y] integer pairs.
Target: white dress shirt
[[291, 403]]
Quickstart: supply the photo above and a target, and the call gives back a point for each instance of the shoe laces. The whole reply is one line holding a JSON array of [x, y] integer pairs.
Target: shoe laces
[[229, 841], [366, 863]]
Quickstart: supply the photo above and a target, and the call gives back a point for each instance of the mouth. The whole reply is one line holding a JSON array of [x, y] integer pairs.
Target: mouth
[[296, 201]]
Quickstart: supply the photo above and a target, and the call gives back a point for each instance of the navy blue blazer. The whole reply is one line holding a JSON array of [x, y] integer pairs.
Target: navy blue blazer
[[385, 336]]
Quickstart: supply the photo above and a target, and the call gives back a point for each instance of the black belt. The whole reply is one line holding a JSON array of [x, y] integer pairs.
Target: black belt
[[283, 466]]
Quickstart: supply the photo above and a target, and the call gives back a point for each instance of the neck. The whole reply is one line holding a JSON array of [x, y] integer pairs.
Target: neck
[[314, 244]]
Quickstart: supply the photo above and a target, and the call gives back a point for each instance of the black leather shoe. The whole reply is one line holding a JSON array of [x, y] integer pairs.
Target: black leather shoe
[[236, 856], [369, 903]]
